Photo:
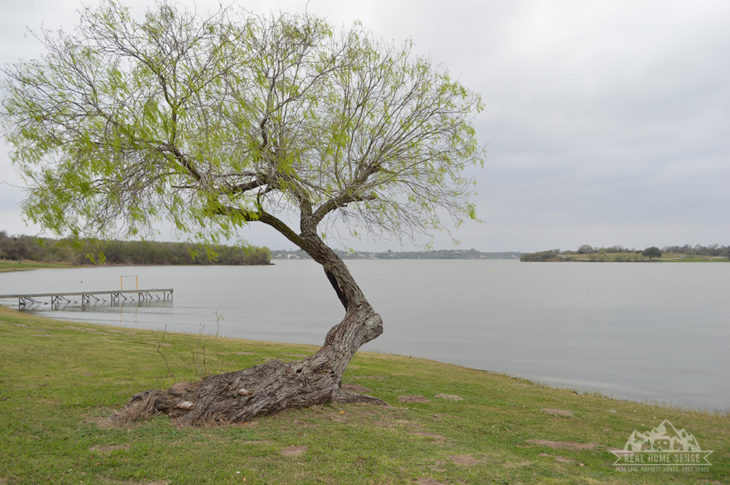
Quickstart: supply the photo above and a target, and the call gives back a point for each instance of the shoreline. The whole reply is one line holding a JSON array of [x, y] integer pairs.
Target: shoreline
[[443, 423], [547, 382]]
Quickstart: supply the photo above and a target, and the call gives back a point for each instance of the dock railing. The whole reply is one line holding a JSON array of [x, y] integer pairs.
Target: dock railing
[[115, 296]]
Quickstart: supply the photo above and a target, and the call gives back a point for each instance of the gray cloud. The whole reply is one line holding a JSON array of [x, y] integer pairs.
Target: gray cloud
[[606, 122]]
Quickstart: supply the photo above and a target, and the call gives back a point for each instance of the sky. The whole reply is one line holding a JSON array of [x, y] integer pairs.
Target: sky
[[606, 122]]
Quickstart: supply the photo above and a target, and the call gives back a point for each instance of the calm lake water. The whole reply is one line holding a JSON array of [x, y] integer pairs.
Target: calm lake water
[[647, 332]]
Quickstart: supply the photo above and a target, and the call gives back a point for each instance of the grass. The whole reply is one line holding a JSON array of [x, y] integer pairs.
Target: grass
[[59, 382], [683, 258], [7, 265]]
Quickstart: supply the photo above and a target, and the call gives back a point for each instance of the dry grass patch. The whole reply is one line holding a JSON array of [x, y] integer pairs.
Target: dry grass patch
[[109, 448], [433, 436], [467, 460], [565, 445], [561, 459], [413, 398], [111, 481], [293, 451], [355, 388], [558, 412]]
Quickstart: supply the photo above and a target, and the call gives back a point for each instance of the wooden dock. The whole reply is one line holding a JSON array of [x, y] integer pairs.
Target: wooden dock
[[115, 297]]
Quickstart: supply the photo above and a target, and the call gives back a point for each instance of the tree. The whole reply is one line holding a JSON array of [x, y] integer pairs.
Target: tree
[[652, 252], [217, 122], [549, 255]]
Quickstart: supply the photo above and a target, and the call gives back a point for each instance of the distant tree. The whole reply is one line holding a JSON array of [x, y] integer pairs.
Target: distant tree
[[541, 256], [217, 122], [585, 249], [652, 252]]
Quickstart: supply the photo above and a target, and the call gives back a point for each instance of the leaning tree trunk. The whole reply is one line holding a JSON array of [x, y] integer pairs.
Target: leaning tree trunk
[[274, 386]]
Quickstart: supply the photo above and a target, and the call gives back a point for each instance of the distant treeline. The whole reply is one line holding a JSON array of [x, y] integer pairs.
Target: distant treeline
[[549, 255], [432, 254], [621, 254], [125, 252], [713, 250]]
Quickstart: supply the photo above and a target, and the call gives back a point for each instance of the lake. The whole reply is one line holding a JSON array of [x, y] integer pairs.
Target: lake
[[652, 332]]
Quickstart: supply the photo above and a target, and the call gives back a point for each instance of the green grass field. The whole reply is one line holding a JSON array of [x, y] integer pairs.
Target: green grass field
[[6, 265], [60, 381]]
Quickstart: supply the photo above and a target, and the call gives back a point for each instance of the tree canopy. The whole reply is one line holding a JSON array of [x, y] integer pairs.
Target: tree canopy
[[214, 122], [652, 252]]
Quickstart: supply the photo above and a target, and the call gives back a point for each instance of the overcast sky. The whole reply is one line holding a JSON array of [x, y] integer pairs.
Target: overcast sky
[[606, 122]]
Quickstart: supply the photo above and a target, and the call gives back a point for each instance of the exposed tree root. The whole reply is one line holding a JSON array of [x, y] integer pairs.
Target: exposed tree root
[[237, 397]]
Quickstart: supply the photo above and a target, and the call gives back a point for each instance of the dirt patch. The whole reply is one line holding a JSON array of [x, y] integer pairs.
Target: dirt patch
[[467, 460], [436, 437], [561, 459], [355, 388], [294, 451], [558, 412], [101, 422], [338, 415], [109, 448], [449, 397], [413, 398], [565, 445]]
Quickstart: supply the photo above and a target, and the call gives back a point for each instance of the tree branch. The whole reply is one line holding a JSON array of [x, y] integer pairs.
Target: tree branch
[[246, 186], [262, 216], [183, 160], [336, 202]]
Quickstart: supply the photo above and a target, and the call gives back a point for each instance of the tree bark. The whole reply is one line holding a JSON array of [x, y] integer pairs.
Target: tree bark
[[274, 386]]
